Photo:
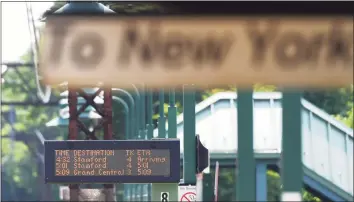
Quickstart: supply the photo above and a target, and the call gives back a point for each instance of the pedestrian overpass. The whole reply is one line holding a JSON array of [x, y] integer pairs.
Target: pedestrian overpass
[[327, 144]]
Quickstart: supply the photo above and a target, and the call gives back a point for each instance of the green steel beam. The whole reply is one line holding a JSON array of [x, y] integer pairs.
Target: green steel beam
[[229, 159], [162, 119], [126, 117], [292, 173], [246, 175], [172, 115], [189, 140], [149, 112]]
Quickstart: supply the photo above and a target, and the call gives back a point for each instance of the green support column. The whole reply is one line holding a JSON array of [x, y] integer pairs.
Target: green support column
[[140, 134], [162, 119], [143, 115], [133, 187], [150, 128], [292, 173], [246, 175], [143, 134], [172, 115], [127, 119], [208, 188], [132, 114], [189, 141], [138, 116], [163, 191], [150, 125], [136, 111]]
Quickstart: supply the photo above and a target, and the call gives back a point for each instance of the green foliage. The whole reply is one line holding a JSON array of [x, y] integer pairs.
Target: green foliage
[[348, 118], [19, 162], [257, 88], [227, 186], [334, 101], [274, 186]]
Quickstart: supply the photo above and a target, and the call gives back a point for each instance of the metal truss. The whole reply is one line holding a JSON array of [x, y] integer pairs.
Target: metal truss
[[75, 124]]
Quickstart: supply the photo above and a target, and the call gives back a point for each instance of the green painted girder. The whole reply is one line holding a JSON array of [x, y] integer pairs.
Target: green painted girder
[[229, 159], [90, 7], [343, 194]]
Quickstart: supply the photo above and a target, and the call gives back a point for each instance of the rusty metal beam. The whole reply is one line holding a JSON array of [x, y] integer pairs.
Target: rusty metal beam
[[75, 125]]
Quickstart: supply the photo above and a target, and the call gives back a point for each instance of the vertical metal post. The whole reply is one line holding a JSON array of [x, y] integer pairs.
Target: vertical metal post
[[132, 120], [143, 114], [246, 179], [109, 189], [150, 128], [208, 191], [138, 115], [162, 120], [127, 118], [189, 140], [150, 125], [172, 115], [107, 105], [261, 179], [12, 121], [135, 134], [292, 173], [134, 187], [143, 134], [73, 132], [129, 115]]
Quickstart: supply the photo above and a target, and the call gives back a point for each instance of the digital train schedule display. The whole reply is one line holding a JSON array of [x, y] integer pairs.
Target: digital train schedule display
[[112, 161], [136, 162]]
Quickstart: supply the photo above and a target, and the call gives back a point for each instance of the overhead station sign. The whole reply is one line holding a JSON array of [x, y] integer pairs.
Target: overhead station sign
[[124, 161], [171, 51]]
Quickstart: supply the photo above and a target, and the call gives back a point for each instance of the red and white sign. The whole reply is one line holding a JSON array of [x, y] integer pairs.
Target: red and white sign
[[187, 193]]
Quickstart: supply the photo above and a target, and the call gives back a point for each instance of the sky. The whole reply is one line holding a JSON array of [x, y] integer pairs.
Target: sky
[[15, 34]]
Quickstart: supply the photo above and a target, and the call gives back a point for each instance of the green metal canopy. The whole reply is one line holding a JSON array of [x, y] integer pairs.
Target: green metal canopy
[[83, 8]]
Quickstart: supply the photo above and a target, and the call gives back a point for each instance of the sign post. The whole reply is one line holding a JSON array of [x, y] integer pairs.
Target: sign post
[[208, 192], [216, 183], [199, 186]]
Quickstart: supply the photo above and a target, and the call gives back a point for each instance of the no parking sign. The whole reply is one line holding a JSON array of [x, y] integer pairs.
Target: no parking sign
[[187, 193]]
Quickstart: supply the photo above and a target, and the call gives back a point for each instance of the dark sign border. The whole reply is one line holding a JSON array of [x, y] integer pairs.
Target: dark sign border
[[172, 145]]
